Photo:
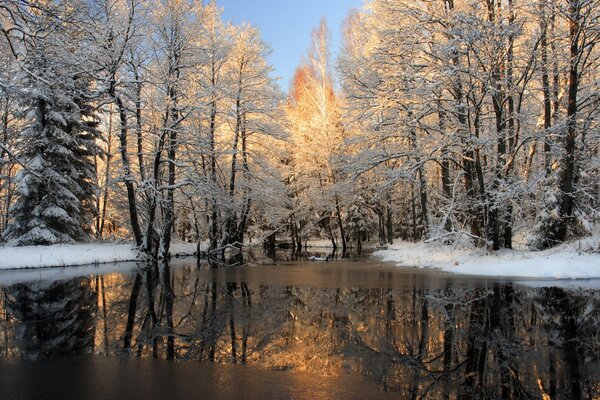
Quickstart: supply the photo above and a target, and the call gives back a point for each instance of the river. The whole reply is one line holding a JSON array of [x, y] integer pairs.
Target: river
[[282, 328]]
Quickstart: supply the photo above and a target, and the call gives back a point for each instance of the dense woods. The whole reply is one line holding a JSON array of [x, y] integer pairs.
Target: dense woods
[[445, 120], [483, 114], [182, 117]]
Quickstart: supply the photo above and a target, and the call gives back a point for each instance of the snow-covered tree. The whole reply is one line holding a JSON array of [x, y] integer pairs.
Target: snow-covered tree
[[314, 112], [57, 187], [255, 119], [454, 100]]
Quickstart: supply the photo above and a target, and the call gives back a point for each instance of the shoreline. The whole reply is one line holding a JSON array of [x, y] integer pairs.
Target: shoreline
[[563, 262], [77, 255]]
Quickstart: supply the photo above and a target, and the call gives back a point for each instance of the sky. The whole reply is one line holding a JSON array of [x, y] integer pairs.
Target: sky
[[286, 25]]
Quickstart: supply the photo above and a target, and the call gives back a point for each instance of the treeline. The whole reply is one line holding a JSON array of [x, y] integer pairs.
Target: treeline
[[127, 118], [452, 120], [476, 119]]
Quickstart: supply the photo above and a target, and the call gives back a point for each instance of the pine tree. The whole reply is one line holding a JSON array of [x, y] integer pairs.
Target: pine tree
[[57, 188]]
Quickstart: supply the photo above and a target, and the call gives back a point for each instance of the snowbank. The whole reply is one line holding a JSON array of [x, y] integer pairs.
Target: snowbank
[[326, 244], [49, 275], [61, 255], [319, 243], [564, 262], [182, 249]]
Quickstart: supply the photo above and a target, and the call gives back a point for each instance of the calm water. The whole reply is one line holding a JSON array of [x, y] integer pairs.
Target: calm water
[[294, 329]]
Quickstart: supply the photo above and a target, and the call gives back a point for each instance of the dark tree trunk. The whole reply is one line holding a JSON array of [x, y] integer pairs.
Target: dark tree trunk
[[338, 212], [170, 205], [494, 208], [445, 168], [413, 208], [390, 221], [232, 223], [546, 89], [149, 245], [128, 178], [569, 168], [5, 168], [243, 220], [103, 210], [138, 123], [214, 223], [513, 133]]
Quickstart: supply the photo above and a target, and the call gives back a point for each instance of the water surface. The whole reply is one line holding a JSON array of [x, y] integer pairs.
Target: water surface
[[277, 328]]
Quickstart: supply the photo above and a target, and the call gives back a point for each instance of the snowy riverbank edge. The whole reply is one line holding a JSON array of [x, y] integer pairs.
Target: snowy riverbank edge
[[62, 255], [563, 262]]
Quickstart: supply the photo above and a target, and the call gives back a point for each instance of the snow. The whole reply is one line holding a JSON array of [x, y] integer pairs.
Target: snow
[[64, 254], [61, 255], [563, 262], [319, 243], [326, 244], [586, 284], [49, 275], [183, 249]]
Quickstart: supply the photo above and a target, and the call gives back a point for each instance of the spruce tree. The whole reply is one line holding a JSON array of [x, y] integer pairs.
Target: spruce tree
[[57, 187]]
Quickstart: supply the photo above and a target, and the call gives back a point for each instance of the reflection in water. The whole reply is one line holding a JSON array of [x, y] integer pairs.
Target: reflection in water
[[499, 341], [50, 319]]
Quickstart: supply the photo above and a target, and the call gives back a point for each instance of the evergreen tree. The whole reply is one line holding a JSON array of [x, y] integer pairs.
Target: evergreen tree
[[57, 188]]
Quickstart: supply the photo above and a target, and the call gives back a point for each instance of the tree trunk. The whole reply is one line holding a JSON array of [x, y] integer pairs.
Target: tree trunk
[[214, 223], [138, 124], [513, 133], [422, 178], [149, 244], [338, 212], [495, 209], [232, 223], [546, 89], [128, 178], [445, 167], [390, 221], [469, 163], [5, 169], [171, 156], [103, 211], [170, 206], [241, 228], [568, 174], [413, 212]]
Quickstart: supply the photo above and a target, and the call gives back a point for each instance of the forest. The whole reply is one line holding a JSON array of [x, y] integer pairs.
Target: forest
[[439, 121]]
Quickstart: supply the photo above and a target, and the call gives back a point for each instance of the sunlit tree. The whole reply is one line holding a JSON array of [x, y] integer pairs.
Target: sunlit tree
[[317, 136]]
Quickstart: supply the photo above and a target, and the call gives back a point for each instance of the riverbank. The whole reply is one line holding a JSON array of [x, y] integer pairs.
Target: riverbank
[[573, 260], [61, 255]]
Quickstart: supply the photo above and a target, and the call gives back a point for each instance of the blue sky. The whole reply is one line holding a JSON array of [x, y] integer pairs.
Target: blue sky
[[286, 26]]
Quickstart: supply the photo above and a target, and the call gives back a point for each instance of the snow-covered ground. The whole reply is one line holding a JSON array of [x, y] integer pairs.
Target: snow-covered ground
[[326, 244], [49, 275], [564, 262], [77, 254], [319, 243]]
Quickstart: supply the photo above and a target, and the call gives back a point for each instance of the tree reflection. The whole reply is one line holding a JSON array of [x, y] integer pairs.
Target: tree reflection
[[498, 342], [52, 319]]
